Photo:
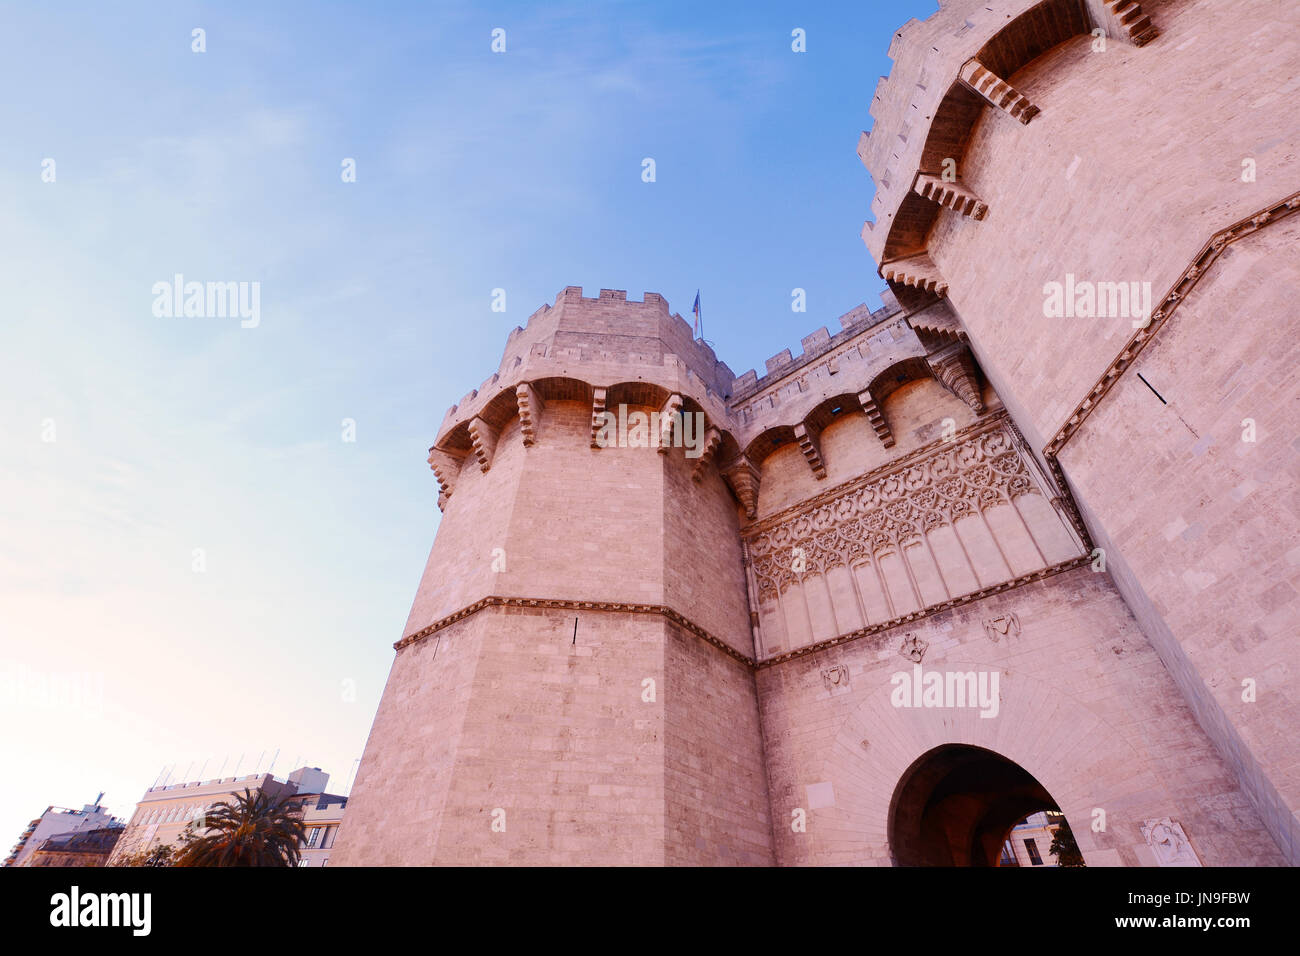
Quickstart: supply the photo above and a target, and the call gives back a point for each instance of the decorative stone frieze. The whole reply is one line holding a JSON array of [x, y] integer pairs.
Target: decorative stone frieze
[[961, 480]]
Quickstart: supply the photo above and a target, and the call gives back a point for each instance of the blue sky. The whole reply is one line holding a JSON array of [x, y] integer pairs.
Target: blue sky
[[130, 441]]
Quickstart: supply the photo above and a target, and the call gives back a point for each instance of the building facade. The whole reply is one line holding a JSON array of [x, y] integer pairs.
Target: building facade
[[165, 811], [1021, 540], [1030, 841], [58, 821], [86, 848], [322, 814]]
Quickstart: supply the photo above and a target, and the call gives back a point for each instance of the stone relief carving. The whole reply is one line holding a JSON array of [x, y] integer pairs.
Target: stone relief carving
[[835, 677], [975, 474], [1008, 625], [1169, 843], [913, 648]]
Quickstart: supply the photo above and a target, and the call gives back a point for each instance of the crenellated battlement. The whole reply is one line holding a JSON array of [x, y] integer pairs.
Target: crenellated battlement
[[608, 351], [819, 343]]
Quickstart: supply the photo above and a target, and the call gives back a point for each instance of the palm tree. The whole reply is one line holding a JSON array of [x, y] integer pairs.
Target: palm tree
[[257, 829]]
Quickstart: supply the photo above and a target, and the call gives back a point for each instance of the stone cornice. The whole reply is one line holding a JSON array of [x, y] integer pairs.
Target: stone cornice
[[687, 624], [569, 605]]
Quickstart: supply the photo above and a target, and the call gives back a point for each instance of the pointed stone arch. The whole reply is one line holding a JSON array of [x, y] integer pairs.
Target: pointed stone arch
[[1084, 763], [955, 805]]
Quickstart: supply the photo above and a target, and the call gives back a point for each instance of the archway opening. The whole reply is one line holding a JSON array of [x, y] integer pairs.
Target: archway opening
[[957, 805]]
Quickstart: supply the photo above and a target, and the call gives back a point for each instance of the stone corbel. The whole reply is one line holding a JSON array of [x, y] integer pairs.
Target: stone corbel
[[712, 439], [484, 437], [597, 415], [936, 329], [743, 477], [446, 468], [1127, 16], [876, 417], [916, 271], [669, 418], [997, 91], [950, 194], [530, 412], [954, 368], [811, 448]]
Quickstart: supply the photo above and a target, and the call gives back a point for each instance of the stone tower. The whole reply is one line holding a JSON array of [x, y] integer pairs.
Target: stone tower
[[578, 657], [1159, 159], [721, 650]]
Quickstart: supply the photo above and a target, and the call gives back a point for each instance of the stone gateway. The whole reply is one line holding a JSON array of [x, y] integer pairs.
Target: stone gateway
[[1068, 514]]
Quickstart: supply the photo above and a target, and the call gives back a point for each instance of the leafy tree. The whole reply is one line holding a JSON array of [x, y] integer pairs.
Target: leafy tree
[[161, 854], [1064, 848], [256, 829]]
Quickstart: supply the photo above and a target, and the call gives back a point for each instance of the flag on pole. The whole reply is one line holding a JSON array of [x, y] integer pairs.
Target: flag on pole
[[699, 322]]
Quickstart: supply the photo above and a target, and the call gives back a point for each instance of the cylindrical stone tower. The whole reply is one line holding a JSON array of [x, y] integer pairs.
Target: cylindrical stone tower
[[1104, 190], [575, 681]]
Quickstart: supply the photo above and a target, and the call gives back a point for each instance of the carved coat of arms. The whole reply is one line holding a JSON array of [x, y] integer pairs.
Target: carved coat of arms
[[1008, 625]]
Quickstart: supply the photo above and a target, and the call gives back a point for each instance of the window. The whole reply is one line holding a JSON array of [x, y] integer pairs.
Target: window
[[1032, 847], [312, 836], [327, 839]]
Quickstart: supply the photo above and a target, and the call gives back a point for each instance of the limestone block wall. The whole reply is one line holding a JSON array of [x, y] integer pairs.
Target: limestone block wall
[[475, 523], [635, 739], [556, 735], [562, 520], [1138, 153], [1132, 164], [1217, 565], [715, 776], [505, 739], [395, 810], [1086, 706], [699, 534]]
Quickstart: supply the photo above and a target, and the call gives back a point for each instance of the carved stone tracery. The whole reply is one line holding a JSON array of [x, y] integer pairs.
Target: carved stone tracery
[[981, 472]]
